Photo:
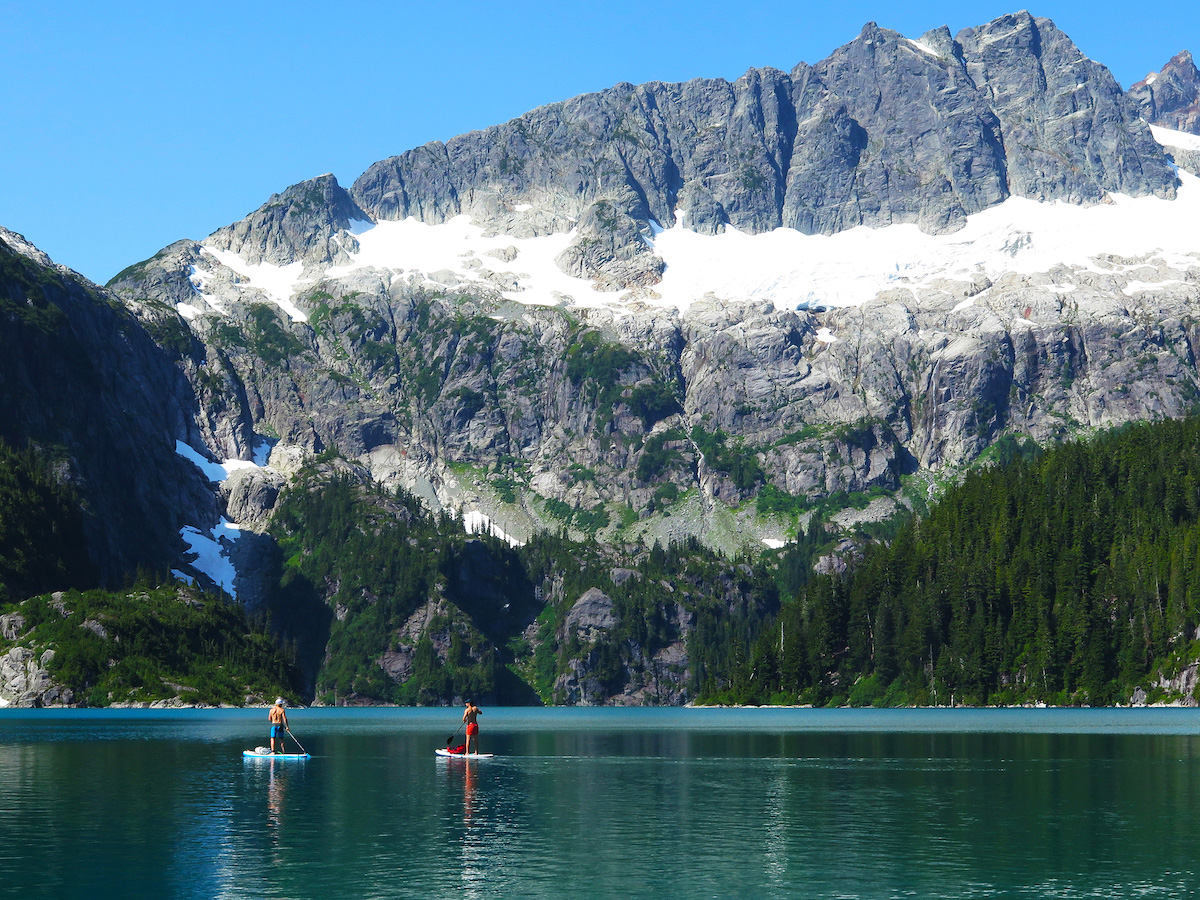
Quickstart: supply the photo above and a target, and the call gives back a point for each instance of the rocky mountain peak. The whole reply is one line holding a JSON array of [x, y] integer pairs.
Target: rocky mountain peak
[[886, 130], [1171, 98], [309, 221], [729, 345]]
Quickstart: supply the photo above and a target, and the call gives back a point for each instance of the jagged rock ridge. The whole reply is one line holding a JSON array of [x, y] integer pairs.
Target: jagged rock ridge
[[886, 130], [1171, 97]]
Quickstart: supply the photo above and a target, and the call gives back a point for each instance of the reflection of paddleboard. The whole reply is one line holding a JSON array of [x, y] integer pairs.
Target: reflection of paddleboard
[[448, 754], [265, 753]]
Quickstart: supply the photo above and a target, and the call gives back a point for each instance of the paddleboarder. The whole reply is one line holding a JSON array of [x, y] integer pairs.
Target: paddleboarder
[[279, 724], [469, 716]]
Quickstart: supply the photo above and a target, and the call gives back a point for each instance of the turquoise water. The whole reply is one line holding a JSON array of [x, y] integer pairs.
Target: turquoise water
[[604, 803]]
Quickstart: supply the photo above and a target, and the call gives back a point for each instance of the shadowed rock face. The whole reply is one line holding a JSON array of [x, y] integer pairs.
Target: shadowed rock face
[[1171, 98], [83, 382]]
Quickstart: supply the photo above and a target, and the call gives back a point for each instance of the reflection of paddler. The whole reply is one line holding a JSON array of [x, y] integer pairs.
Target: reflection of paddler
[[274, 796], [275, 785], [469, 715], [468, 792]]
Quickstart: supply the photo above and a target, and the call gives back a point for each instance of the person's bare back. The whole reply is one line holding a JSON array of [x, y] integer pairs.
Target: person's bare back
[[470, 714], [279, 723]]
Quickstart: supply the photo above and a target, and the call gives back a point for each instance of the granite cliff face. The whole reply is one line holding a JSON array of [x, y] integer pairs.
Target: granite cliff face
[[886, 130], [652, 422]]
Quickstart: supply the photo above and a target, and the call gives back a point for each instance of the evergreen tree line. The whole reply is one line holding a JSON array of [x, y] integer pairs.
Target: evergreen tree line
[[41, 530], [357, 561], [1066, 577], [154, 642]]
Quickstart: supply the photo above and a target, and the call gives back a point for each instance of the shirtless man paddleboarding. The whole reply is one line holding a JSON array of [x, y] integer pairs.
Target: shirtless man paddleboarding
[[279, 724], [469, 716]]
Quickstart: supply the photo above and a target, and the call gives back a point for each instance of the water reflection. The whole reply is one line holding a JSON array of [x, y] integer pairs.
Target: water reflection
[[597, 811], [275, 784], [473, 840]]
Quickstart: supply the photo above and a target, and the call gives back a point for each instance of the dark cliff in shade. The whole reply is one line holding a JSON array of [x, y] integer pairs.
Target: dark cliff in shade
[[85, 385], [886, 130]]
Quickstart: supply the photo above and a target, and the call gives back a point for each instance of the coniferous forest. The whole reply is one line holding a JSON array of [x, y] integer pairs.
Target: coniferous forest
[[1070, 576], [41, 530], [1067, 576]]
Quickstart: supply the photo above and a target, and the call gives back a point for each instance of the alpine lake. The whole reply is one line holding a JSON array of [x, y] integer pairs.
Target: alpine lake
[[603, 803]]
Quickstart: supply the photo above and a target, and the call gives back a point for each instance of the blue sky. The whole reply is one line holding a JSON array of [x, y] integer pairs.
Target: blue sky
[[127, 126]]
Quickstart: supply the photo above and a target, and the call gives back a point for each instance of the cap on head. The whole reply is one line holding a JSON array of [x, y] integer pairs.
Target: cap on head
[[279, 702]]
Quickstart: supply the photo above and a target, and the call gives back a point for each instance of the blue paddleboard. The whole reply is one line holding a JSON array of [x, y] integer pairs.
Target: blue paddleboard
[[258, 754]]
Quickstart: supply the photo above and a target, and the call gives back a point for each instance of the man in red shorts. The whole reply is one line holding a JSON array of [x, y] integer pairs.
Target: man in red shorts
[[469, 715]]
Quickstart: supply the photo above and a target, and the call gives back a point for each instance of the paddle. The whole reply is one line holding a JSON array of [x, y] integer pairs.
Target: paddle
[[450, 739], [293, 737]]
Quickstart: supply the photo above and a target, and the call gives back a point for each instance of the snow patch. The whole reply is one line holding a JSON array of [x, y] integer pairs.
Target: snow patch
[[825, 336], [852, 267], [210, 552], [774, 543], [1135, 287], [408, 244], [199, 279], [476, 522], [211, 547], [277, 282], [1168, 137], [216, 472], [784, 266]]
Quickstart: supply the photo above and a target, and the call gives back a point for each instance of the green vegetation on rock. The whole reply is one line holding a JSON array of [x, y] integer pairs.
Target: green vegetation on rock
[[154, 643]]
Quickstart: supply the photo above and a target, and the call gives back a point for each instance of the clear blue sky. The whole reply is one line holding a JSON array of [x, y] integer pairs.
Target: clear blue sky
[[125, 126]]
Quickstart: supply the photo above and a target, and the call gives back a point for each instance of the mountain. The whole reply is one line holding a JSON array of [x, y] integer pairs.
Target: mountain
[[504, 323], [1170, 100], [885, 131], [711, 312]]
